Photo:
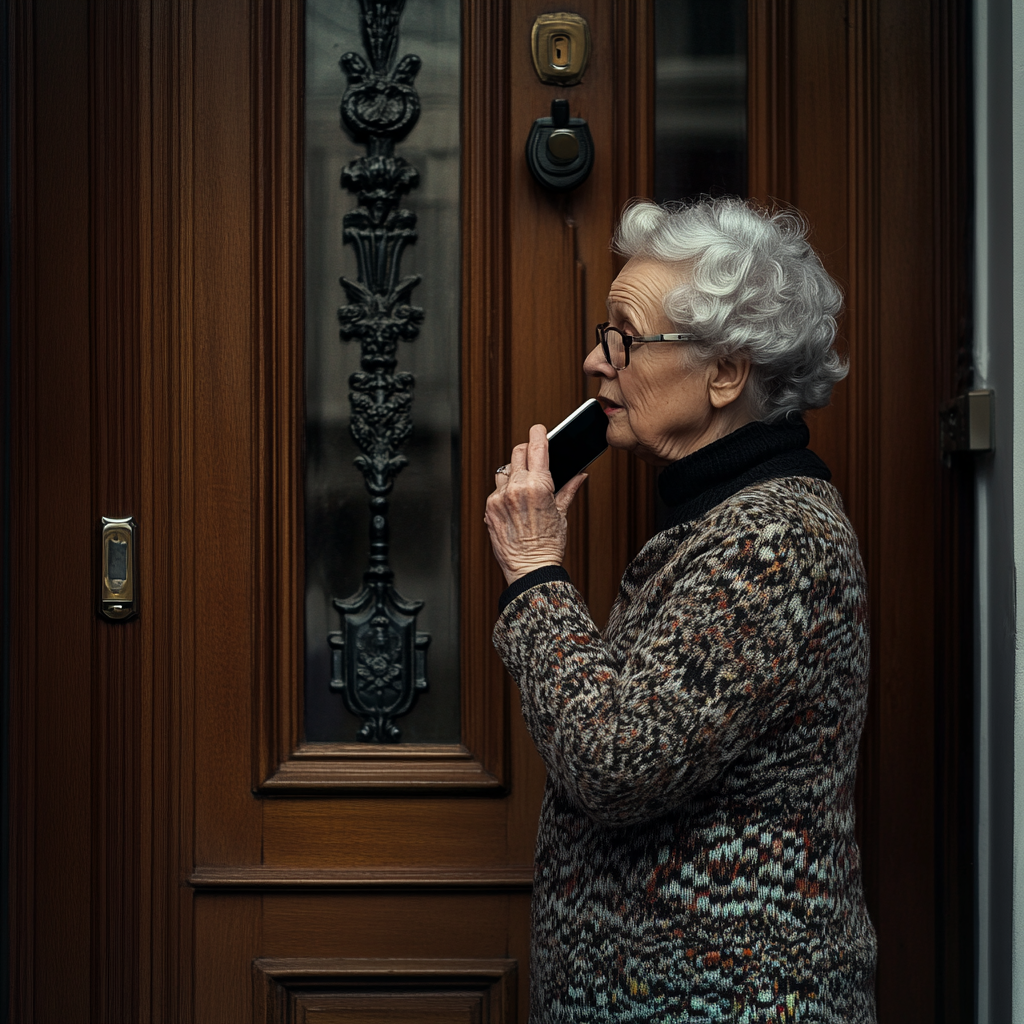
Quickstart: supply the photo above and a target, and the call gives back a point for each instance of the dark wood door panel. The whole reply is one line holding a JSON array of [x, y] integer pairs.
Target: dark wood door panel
[[448, 924], [228, 933], [358, 940], [394, 833], [324, 1006], [375, 992], [378, 923]]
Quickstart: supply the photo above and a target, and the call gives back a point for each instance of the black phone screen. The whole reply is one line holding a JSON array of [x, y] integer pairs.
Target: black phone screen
[[576, 442]]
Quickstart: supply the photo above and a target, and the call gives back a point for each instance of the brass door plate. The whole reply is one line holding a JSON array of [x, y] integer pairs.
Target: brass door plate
[[561, 47], [118, 590]]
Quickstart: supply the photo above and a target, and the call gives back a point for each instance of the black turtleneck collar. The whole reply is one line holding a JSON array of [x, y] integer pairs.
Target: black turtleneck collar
[[756, 452]]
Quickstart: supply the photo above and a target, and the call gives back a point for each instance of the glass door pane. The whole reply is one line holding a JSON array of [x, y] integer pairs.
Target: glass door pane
[[422, 507], [700, 99]]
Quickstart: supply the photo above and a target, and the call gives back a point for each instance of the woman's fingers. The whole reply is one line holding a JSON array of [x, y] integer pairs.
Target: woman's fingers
[[563, 499], [532, 455], [537, 450], [492, 508], [518, 461], [525, 521]]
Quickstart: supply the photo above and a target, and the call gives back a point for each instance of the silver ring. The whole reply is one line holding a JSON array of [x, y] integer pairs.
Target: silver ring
[[502, 471]]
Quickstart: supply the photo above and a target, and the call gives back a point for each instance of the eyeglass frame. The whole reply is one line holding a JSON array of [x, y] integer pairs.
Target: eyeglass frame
[[629, 340]]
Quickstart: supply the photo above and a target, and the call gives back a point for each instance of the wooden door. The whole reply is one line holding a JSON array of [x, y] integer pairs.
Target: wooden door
[[177, 852], [857, 117], [227, 870]]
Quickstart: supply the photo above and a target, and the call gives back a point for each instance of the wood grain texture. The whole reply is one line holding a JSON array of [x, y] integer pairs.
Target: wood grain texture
[[265, 877], [359, 844], [120, 775], [474, 991], [21, 881], [63, 528], [362, 833], [359, 774], [52, 617], [388, 924], [562, 268], [396, 924], [863, 331], [228, 938], [168, 180], [769, 101], [487, 311], [872, 154], [906, 477], [276, 76]]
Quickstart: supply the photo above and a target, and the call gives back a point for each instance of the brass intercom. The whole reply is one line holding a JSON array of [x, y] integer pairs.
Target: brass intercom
[[118, 589]]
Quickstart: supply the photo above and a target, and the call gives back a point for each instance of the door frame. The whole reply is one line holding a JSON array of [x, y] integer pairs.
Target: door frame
[[103, 254]]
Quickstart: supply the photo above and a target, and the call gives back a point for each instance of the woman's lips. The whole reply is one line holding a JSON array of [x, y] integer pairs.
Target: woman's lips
[[609, 406]]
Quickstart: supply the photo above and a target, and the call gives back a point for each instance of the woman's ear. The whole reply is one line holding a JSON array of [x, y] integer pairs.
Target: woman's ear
[[727, 380]]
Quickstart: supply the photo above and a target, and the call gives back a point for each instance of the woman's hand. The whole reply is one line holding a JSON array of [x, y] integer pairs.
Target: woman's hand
[[525, 518]]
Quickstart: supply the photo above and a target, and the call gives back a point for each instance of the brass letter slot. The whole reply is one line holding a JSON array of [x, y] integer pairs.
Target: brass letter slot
[[118, 591]]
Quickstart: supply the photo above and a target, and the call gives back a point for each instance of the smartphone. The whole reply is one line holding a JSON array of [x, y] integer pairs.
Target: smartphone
[[577, 441]]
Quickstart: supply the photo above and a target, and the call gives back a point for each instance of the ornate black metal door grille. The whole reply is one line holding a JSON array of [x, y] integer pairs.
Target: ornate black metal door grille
[[378, 656]]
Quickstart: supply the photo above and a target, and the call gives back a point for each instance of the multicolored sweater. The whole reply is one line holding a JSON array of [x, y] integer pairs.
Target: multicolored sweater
[[696, 858]]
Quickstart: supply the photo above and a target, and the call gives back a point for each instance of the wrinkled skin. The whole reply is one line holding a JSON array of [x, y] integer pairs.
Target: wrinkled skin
[[663, 406], [525, 518]]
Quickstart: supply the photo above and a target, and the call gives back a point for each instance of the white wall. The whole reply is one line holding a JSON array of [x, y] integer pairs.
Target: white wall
[[999, 320]]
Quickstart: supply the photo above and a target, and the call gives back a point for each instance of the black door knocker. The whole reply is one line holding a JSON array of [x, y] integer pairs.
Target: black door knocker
[[560, 151]]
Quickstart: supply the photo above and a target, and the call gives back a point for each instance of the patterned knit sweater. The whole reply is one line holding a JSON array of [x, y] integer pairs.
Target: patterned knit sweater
[[696, 857]]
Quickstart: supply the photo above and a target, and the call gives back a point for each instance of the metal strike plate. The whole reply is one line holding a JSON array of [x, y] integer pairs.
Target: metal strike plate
[[966, 423], [118, 586], [561, 47]]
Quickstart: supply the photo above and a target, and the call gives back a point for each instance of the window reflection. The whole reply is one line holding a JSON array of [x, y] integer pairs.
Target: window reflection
[[700, 99]]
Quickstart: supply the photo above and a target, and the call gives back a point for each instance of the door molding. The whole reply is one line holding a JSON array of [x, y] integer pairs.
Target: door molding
[[481, 991], [283, 763], [260, 877]]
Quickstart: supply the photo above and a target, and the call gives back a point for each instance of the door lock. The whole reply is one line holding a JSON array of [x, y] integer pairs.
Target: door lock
[[118, 590], [561, 48], [560, 151]]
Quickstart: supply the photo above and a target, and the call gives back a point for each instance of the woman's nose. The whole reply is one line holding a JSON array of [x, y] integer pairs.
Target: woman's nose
[[595, 365]]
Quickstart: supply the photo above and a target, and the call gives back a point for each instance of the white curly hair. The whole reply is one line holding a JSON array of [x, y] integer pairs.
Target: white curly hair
[[753, 285]]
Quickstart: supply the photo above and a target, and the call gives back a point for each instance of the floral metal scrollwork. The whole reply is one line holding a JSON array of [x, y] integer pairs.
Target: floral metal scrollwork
[[379, 657]]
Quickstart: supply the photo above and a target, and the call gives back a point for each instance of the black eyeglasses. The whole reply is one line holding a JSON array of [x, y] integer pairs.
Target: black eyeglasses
[[616, 344]]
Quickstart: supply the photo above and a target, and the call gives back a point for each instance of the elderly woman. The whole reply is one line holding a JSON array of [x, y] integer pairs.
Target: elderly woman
[[696, 858]]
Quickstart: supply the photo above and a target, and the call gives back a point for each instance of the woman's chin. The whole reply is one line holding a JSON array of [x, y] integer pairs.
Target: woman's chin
[[619, 439], [634, 447], [651, 453]]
